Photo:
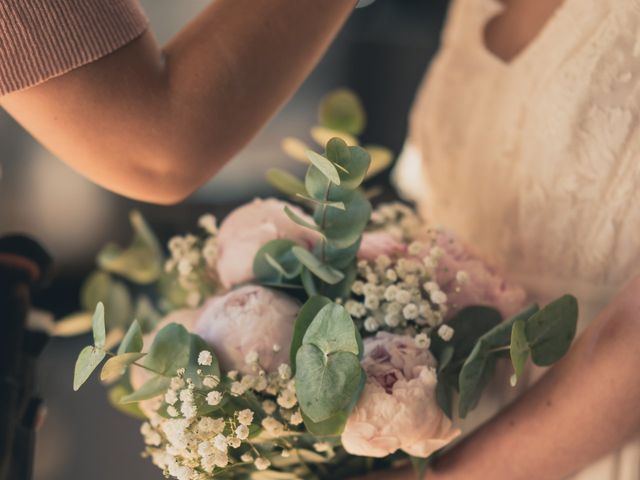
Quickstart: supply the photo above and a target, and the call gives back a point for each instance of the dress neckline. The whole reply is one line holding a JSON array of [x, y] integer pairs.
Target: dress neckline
[[492, 8]]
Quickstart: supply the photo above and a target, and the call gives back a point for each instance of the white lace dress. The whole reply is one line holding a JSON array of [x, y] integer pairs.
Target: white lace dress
[[536, 162]]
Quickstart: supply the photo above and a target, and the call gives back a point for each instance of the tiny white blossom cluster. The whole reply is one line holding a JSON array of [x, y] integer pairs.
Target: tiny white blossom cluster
[[197, 439], [397, 219], [193, 260]]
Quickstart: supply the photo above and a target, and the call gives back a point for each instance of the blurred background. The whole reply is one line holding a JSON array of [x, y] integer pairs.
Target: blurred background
[[382, 55]]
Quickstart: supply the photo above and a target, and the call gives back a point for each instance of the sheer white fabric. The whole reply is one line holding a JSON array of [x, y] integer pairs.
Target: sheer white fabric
[[536, 162]]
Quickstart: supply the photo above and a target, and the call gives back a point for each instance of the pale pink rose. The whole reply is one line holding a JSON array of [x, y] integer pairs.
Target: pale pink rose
[[249, 320], [483, 285], [250, 227], [398, 408], [138, 376], [377, 243]]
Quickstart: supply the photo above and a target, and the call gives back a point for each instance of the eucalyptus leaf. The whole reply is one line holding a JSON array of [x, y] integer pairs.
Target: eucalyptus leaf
[[381, 159], [344, 228], [327, 383], [115, 396], [98, 326], [474, 377], [323, 271], [519, 347], [325, 166], [116, 366], [444, 397], [101, 287], [169, 350], [339, 258], [306, 315], [132, 341], [285, 182], [197, 345], [76, 324], [332, 330], [309, 283], [342, 289], [331, 427], [551, 330], [152, 388], [322, 135], [295, 218], [328, 374], [88, 360], [142, 261], [279, 251], [342, 110]]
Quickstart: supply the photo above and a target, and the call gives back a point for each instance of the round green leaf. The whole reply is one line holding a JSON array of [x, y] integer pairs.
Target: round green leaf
[[132, 341], [115, 367], [285, 182], [551, 330], [88, 360], [325, 166], [344, 228], [275, 262], [342, 110], [305, 316], [142, 261], [324, 272], [169, 351], [519, 348], [152, 388], [98, 326], [326, 384]]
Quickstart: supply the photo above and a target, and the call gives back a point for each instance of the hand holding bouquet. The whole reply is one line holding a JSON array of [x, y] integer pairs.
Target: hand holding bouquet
[[315, 345]]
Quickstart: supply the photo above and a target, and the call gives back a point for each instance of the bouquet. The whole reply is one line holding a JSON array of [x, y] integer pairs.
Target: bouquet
[[317, 341]]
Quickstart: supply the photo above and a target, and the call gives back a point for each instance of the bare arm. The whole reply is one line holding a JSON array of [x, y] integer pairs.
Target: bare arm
[[583, 408], [155, 123]]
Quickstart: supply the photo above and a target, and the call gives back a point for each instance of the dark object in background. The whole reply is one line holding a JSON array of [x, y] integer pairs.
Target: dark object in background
[[24, 266]]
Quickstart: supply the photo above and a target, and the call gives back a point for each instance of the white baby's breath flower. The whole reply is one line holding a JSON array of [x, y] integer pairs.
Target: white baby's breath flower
[[247, 457], [296, 418], [235, 442], [287, 399], [251, 357], [431, 286], [390, 293], [188, 410], [415, 248], [210, 425], [238, 388], [176, 383], [371, 324], [170, 397], [269, 407], [322, 447], [220, 442], [262, 463], [445, 332], [403, 297], [410, 311], [422, 341], [242, 432], [232, 374], [172, 411], [284, 371], [272, 426], [211, 381], [391, 275], [205, 358], [208, 223], [392, 319], [245, 417], [462, 277], [438, 297], [357, 287], [436, 253], [214, 398]]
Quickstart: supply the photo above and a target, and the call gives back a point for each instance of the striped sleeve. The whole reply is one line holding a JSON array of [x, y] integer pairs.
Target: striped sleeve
[[42, 39]]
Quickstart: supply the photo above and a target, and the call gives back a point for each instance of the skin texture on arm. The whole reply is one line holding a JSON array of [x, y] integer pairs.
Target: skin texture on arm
[[156, 123], [582, 409]]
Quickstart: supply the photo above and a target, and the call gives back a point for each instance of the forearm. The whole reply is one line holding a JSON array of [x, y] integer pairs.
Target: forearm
[[155, 123], [583, 408]]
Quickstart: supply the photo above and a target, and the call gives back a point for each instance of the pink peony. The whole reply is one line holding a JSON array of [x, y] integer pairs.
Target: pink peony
[[138, 376], [249, 320], [379, 243], [482, 285], [398, 408], [250, 227]]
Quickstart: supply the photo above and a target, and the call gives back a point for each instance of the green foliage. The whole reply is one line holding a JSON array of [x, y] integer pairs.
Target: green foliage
[[91, 356], [342, 110], [519, 348], [305, 316], [546, 334], [88, 360], [285, 182], [551, 331], [115, 395], [102, 287], [170, 350], [150, 389], [142, 261], [116, 366], [275, 264], [328, 372], [324, 272], [132, 341]]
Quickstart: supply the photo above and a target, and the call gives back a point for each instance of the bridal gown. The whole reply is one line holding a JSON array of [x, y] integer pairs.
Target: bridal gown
[[536, 162]]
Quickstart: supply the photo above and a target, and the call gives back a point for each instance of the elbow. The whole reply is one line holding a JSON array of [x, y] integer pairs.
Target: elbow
[[168, 176]]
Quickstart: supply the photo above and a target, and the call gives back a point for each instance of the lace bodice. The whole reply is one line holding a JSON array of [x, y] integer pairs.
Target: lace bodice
[[537, 162]]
